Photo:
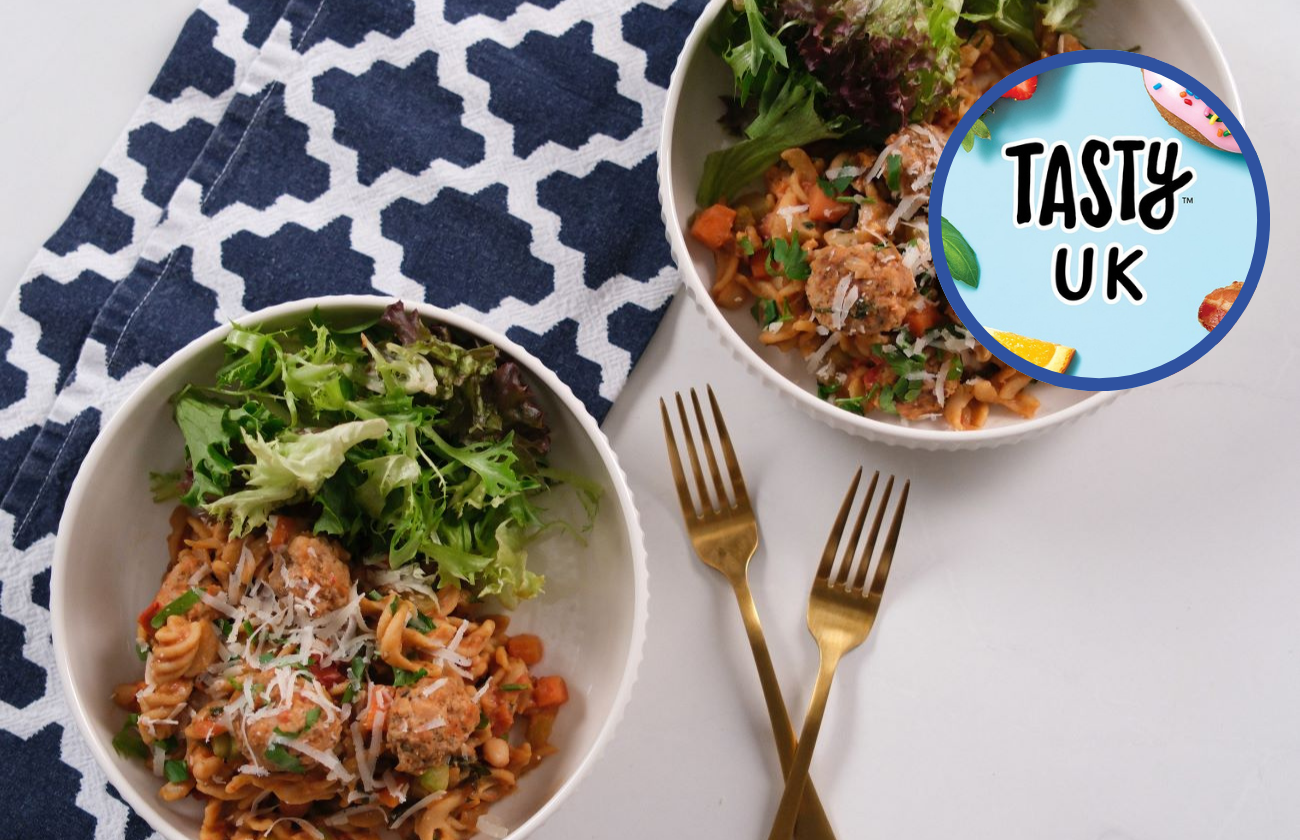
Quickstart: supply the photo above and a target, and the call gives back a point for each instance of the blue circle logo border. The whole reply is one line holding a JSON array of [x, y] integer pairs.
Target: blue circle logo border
[[1104, 383]]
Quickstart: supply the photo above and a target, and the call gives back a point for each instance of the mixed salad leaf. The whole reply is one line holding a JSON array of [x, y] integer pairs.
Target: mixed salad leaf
[[811, 70], [399, 439]]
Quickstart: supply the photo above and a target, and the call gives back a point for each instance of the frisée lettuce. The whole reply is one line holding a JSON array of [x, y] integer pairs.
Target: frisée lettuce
[[403, 441]]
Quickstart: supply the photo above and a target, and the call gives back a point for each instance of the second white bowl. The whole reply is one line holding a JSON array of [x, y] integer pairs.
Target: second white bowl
[[110, 553], [1171, 30]]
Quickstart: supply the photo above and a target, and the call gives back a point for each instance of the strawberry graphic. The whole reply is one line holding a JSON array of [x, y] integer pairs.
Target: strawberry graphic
[[1022, 91]]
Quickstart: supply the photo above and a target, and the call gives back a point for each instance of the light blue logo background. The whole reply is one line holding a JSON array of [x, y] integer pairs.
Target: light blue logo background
[[1209, 245]]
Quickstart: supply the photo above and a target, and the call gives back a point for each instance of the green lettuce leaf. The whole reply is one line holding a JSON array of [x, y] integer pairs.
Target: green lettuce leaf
[[491, 461], [1064, 15], [207, 446], [1013, 18], [384, 475], [508, 578], [289, 468]]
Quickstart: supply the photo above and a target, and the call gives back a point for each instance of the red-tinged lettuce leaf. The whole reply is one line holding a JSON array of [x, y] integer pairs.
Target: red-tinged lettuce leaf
[[885, 64], [519, 409], [408, 326]]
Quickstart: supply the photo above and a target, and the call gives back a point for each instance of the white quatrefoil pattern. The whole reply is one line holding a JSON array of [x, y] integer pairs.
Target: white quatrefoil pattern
[[494, 157]]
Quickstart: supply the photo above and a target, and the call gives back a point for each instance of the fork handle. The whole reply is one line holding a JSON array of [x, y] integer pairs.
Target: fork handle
[[797, 777], [811, 822]]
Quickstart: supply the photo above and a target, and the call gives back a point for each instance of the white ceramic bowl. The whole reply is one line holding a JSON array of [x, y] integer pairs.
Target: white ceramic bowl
[[1171, 30], [110, 554]]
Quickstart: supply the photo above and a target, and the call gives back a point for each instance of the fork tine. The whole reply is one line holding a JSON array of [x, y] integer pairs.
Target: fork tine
[[837, 531], [675, 459], [891, 541], [864, 563], [718, 486], [706, 504], [851, 548], [729, 454]]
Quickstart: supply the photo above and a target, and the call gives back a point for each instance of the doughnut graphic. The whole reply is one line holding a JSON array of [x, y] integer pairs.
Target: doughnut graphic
[[1183, 109]]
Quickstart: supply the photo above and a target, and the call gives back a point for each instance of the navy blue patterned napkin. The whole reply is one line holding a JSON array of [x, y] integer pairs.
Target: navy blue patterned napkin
[[495, 157]]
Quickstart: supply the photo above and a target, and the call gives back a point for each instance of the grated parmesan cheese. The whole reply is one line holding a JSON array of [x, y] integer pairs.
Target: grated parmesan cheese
[[420, 805], [842, 171], [940, 380], [815, 360], [788, 213], [906, 209]]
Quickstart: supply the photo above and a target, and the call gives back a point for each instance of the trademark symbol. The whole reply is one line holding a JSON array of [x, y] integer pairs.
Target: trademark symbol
[[1187, 199]]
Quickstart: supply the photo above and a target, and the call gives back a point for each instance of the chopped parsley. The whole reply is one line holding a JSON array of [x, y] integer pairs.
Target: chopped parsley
[[176, 771], [392, 606], [887, 401], [284, 760], [746, 246], [127, 742], [857, 405], [855, 199], [403, 677], [374, 595], [765, 312], [826, 391], [835, 186], [790, 256], [894, 172], [179, 606], [421, 623], [224, 626], [482, 721], [142, 651], [515, 687]]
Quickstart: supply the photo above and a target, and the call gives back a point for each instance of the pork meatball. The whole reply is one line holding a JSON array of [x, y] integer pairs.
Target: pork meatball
[[918, 147], [860, 287], [314, 570], [429, 721], [260, 735]]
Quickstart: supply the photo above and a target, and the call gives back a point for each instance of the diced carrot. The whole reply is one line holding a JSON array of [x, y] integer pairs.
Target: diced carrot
[[549, 692], [713, 225], [387, 798], [920, 320], [147, 615], [824, 208], [758, 265], [379, 698], [285, 529], [525, 646]]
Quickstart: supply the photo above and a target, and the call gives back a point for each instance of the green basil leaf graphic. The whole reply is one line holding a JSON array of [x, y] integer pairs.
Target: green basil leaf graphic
[[962, 263]]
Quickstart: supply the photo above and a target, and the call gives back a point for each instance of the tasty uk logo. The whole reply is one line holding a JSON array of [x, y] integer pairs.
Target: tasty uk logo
[[1074, 193]]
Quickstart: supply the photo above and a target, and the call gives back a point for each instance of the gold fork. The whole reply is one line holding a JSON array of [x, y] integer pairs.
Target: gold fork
[[725, 536], [840, 616]]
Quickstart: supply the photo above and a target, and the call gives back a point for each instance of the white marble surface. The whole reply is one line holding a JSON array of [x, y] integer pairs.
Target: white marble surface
[[1090, 635]]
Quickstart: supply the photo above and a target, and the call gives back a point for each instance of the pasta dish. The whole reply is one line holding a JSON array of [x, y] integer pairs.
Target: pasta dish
[[323, 657], [844, 109]]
